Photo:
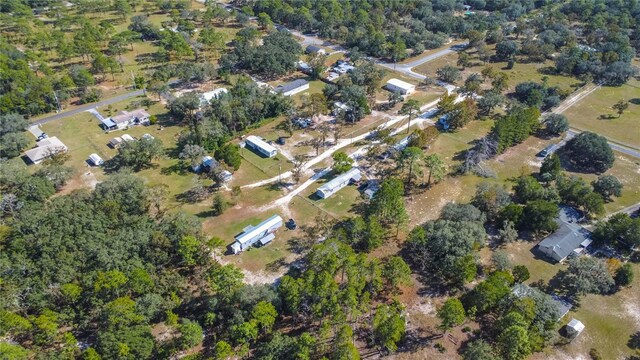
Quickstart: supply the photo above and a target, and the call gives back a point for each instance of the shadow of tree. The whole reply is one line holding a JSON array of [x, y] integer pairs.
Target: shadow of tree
[[634, 341]]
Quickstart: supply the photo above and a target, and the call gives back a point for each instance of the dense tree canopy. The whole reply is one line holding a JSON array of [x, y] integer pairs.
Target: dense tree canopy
[[590, 152]]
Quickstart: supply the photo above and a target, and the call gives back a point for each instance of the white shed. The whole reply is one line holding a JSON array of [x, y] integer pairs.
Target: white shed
[[574, 328], [399, 86], [96, 160]]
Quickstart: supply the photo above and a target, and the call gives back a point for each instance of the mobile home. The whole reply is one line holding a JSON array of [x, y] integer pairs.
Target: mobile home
[[338, 183], [257, 144], [261, 234]]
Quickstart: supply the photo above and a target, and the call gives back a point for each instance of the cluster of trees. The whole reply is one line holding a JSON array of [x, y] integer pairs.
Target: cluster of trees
[[525, 319], [515, 127], [12, 138], [539, 95], [213, 124], [138, 154], [275, 57], [619, 230], [22, 90], [589, 152], [445, 247], [412, 162], [101, 265], [458, 114], [389, 31], [357, 91]]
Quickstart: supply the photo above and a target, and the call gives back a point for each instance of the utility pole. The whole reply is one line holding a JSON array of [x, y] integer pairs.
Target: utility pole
[[55, 95]]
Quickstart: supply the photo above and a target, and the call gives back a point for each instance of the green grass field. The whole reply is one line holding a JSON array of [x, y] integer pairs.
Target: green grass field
[[592, 113]]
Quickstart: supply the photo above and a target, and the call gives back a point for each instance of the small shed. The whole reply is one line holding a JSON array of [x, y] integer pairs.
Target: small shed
[[399, 86], [115, 142], [127, 138], [574, 328], [148, 137], [96, 160]]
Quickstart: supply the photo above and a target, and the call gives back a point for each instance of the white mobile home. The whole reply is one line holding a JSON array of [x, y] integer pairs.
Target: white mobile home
[[293, 87], [261, 234], [126, 119], [400, 86], [257, 144], [338, 183]]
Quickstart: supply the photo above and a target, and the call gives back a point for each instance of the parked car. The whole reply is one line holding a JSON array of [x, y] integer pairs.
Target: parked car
[[281, 141], [291, 224]]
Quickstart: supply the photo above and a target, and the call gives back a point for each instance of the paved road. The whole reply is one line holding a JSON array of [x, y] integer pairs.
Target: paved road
[[86, 107], [580, 95], [407, 67]]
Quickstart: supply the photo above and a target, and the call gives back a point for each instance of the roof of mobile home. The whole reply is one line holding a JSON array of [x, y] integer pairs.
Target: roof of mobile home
[[253, 231], [284, 88], [401, 84], [354, 173], [260, 143]]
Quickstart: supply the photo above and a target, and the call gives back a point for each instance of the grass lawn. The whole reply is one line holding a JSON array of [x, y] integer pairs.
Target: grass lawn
[[83, 136], [586, 114], [268, 166], [521, 72]]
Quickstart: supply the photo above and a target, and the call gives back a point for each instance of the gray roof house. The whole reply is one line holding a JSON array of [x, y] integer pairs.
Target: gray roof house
[[45, 148], [293, 87], [569, 239]]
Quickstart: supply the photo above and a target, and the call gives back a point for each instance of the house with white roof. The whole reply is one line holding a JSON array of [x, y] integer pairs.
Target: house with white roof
[[259, 145], [205, 98], [399, 86], [338, 183], [126, 119], [45, 148], [261, 234]]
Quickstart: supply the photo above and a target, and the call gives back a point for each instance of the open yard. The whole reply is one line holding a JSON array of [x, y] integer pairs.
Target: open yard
[[594, 113], [521, 72]]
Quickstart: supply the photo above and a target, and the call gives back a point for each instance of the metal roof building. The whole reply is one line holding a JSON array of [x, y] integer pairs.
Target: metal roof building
[[402, 87], [293, 87], [96, 159], [262, 234], [261, 146], [338, 183]]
